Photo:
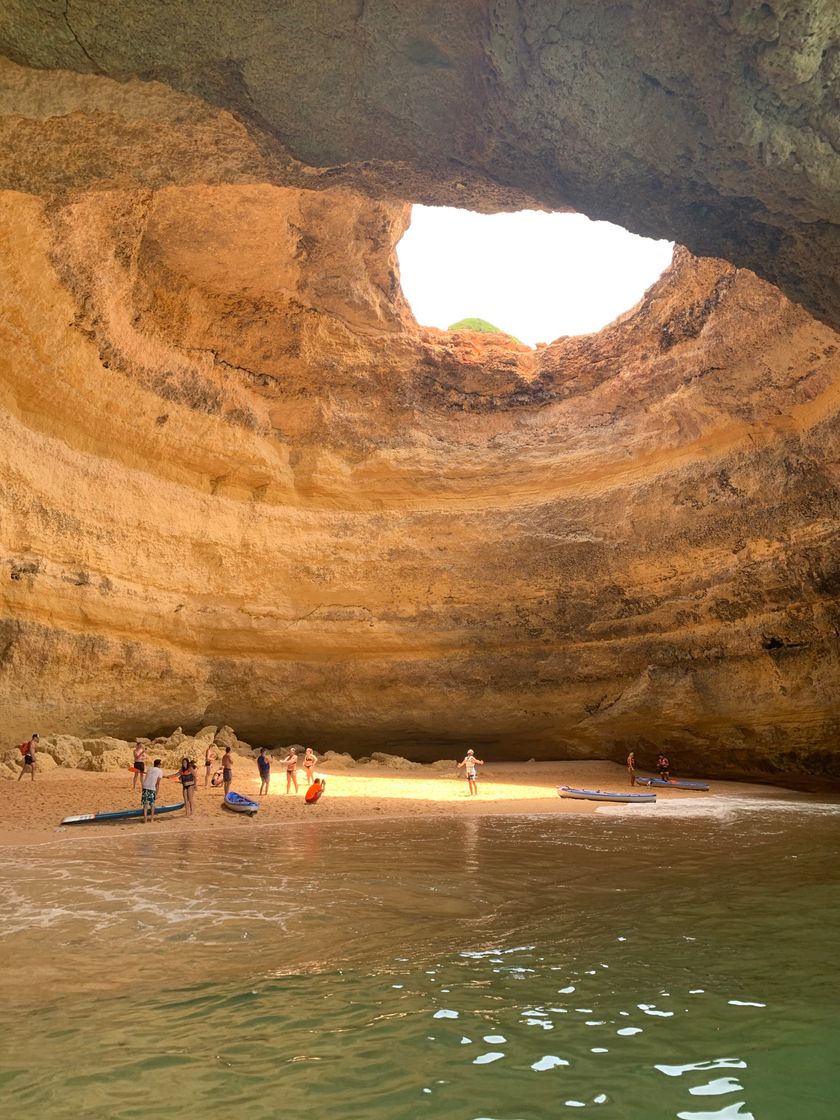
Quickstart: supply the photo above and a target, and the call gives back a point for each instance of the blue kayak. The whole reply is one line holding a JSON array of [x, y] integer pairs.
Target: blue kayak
[[674, 783], [120, 815], [605, 795], [239, 804]]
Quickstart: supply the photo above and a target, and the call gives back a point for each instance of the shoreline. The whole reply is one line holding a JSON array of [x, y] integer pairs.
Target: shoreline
[[33, 810]]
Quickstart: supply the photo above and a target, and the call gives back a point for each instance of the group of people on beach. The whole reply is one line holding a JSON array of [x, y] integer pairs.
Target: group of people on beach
[[214, 775], [663, 767]]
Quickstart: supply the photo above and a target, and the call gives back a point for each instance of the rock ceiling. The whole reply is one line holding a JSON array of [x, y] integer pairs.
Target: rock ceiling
[[240, 484]]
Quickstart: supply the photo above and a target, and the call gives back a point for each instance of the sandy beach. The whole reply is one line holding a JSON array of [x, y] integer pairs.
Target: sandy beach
[[32, 811]]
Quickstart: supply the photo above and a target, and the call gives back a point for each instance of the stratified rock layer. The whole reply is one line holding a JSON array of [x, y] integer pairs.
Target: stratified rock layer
[[241, 485]]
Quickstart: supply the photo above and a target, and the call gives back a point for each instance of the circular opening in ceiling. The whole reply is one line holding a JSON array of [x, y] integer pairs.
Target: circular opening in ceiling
[[534, 275]]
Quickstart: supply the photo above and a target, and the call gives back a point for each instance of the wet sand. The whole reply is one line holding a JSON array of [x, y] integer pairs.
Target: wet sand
[[32, 811]]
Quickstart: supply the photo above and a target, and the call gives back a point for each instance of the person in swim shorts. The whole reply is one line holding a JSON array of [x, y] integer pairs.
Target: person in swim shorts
[[227, 769], [264, 767], [139, 763], [28, 750], [290, 762], [631, 767], [663, 766], [469, 763], [151, 785]]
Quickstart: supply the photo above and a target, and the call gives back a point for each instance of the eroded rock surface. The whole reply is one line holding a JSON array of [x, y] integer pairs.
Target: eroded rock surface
[[714, 124], [242, 486]]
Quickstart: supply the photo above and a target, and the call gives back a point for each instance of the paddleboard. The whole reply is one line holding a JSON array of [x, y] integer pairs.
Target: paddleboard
[[675, 783], [120, 815]]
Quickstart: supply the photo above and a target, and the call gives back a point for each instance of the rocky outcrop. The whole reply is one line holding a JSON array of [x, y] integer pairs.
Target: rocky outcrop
[[241, 486], [713, 124]]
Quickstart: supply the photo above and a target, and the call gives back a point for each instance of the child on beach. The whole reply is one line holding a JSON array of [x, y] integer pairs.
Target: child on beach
[[310, 760], [264, 767], [227, 769], [151, 785], [469, 763], [290, 762], [28, 751]]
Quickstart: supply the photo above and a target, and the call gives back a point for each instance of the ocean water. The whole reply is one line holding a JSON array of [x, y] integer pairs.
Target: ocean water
[[679, 962]]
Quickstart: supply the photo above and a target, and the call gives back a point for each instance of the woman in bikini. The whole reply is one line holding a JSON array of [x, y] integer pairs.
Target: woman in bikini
[[187, 777], [310, 761], [290, 762]]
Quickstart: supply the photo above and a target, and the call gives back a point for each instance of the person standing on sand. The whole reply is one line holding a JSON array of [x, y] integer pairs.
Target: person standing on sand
[[188, 784], [290, 762], [151, 785], [631, 767], [209, 761], [227, 770], [264, 766], [28, 750], [310, 761], [664, 768], [469, 763], [139, 762]]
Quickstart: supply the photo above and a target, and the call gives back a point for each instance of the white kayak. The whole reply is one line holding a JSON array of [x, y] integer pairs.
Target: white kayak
[[604, 795]]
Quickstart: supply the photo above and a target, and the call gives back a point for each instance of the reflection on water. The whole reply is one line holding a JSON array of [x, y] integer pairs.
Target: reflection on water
[[499, 968]]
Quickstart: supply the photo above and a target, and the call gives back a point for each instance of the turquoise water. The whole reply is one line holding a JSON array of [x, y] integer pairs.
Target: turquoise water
[[674, 963]]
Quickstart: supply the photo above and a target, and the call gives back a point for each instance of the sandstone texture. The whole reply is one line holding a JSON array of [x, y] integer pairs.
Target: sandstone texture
[[241, 487]]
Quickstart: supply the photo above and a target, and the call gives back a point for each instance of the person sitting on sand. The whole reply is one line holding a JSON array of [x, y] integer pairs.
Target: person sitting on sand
[[227, 770], [187, 777], [310, 761], [664, 768], [139, 763], [264, 767], [290, 762], [631, 767], [209, 761], [28, 750], [151, 785], [469, 763]]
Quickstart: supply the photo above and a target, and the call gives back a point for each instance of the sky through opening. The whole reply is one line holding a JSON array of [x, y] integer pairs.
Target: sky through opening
[[536, 276]]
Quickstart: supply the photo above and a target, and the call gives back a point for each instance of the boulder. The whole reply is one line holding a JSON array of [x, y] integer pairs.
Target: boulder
[[174, 740], [393, 761], [225, 738], [337, 758], [105, 744], [105, 760], [65, 750], [206, 734]]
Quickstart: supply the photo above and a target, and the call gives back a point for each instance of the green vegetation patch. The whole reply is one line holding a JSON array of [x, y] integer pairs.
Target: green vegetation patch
[[475, 325]]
